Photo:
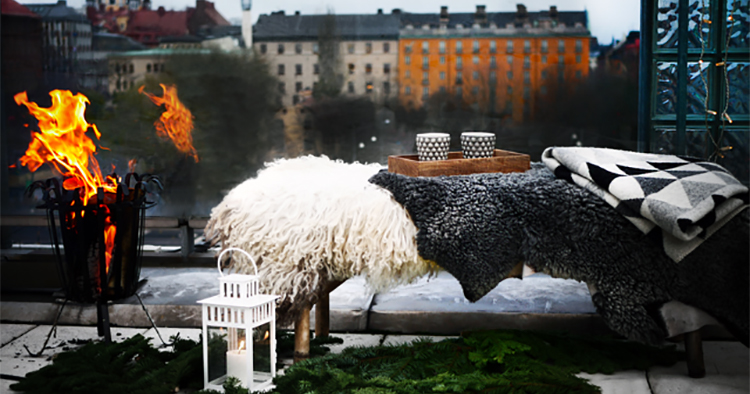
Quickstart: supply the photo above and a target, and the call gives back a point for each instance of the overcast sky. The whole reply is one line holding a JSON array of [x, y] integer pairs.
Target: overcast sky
[[607, 18]]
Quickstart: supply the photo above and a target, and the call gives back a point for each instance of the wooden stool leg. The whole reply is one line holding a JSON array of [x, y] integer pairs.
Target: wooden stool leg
[[302, 335], [323, 310], [322, 316], [694, 350]]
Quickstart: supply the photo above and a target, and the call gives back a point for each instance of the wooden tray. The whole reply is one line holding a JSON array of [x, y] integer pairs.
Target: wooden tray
[[502, 161]]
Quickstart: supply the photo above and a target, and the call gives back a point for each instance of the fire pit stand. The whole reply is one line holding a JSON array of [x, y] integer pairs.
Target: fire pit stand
[[98, 243]]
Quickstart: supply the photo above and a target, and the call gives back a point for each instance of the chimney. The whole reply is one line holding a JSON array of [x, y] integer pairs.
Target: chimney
[[296, 13], [246, 28], [444, 14], [553, 11], [380, 11], [480, 17], [520, 11], [396, 11], [161, 11]]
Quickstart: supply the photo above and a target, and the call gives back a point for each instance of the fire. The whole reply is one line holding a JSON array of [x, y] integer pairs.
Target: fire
[[265, 336], [242, 345], [176, 123], [62, 142]]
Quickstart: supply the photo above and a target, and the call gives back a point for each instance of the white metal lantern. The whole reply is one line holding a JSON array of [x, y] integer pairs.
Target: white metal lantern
[[236, 341]]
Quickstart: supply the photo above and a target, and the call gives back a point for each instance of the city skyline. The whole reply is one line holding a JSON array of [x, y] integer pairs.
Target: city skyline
[[608, 19]]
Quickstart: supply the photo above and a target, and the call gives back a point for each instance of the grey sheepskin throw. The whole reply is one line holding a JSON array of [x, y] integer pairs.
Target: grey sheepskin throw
[[683, 199], [479, 227]]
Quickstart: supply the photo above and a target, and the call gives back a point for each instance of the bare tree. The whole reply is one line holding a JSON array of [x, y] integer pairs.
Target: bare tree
[[331, 79]]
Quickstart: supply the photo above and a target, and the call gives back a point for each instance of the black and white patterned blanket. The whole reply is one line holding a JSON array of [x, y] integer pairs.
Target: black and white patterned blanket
[[679, 201]]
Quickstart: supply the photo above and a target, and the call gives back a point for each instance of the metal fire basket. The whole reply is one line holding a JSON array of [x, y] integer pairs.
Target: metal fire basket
[[81, 259]]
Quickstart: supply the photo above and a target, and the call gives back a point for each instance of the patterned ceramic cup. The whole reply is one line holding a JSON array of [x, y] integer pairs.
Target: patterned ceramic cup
[[477, 144], [433, 146]]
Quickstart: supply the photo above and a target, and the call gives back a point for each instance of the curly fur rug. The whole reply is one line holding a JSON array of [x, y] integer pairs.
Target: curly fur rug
[[479, 227], [309, 221]]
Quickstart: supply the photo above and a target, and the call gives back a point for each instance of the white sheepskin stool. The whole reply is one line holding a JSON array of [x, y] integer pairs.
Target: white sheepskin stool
[[311, 222]]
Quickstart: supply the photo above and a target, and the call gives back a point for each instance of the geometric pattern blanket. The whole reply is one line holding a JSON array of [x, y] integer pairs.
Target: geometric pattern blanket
[[480, 227], [679, 201]]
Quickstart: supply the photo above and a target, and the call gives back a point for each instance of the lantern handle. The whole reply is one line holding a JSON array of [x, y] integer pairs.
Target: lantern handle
[[218, 263]]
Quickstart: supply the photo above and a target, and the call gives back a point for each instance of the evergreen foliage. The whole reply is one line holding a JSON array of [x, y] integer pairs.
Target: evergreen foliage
[[502, 361]]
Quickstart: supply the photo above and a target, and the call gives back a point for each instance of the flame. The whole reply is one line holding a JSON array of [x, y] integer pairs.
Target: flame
[[176, 123], [242, 345], [266, 335], [62, 142]]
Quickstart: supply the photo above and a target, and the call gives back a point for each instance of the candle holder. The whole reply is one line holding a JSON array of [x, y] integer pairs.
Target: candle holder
[[239, 332]]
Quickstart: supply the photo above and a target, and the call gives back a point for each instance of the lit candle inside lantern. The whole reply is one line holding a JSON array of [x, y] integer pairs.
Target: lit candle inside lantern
[[237, 364]]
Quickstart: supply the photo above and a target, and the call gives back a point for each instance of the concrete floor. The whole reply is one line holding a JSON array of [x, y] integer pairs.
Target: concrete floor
[[726, 362], [428, 306]]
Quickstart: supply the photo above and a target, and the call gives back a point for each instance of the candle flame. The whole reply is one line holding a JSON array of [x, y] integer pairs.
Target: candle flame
[[266, 335], [242, 345]]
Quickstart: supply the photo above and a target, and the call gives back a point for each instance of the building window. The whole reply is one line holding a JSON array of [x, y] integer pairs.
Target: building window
[[543, 90], [509, 91], [475, 75], [130, 68], [298, 87], [407, 60], [493, 76], [526, 62], [425, 62], [441, 46], [350, 87], [561, 60], [526, 77], [295, 99], [297, 69], [545, 46], [459, 92], [407, 74], [544, 59], [579, 74], [544, 74], [282, 88], [368, 68], [368, 87], [316, 69], [442, 59], [407, 48], [509, 74], [475, 90], [442, 75], [425, 78], [579, 46], [475, 46], [316, 48], [526, 92], [386, 68], [475, 59], [578, 58], [281, 69], [350, 48], [386, 88], [280, 49], [493, 46], [407, 90], [425, 47], [386, 47], [459, 47], [560, 46], [459, 77], [368, 47], [298, 48], [509, 47], [493, 62], [442, 90], [351, 68], [425, 93], [148, 68], [510, 60], [459, 63], [527, 46]]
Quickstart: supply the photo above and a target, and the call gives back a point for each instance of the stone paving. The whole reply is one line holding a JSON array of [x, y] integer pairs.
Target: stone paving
[[727, 364]]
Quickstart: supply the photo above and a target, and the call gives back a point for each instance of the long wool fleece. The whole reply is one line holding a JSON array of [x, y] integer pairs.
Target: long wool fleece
[[309, 221], [479, 227]]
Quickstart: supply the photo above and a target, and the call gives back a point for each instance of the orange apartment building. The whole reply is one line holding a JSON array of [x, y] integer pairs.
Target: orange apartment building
[[497, 62]]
